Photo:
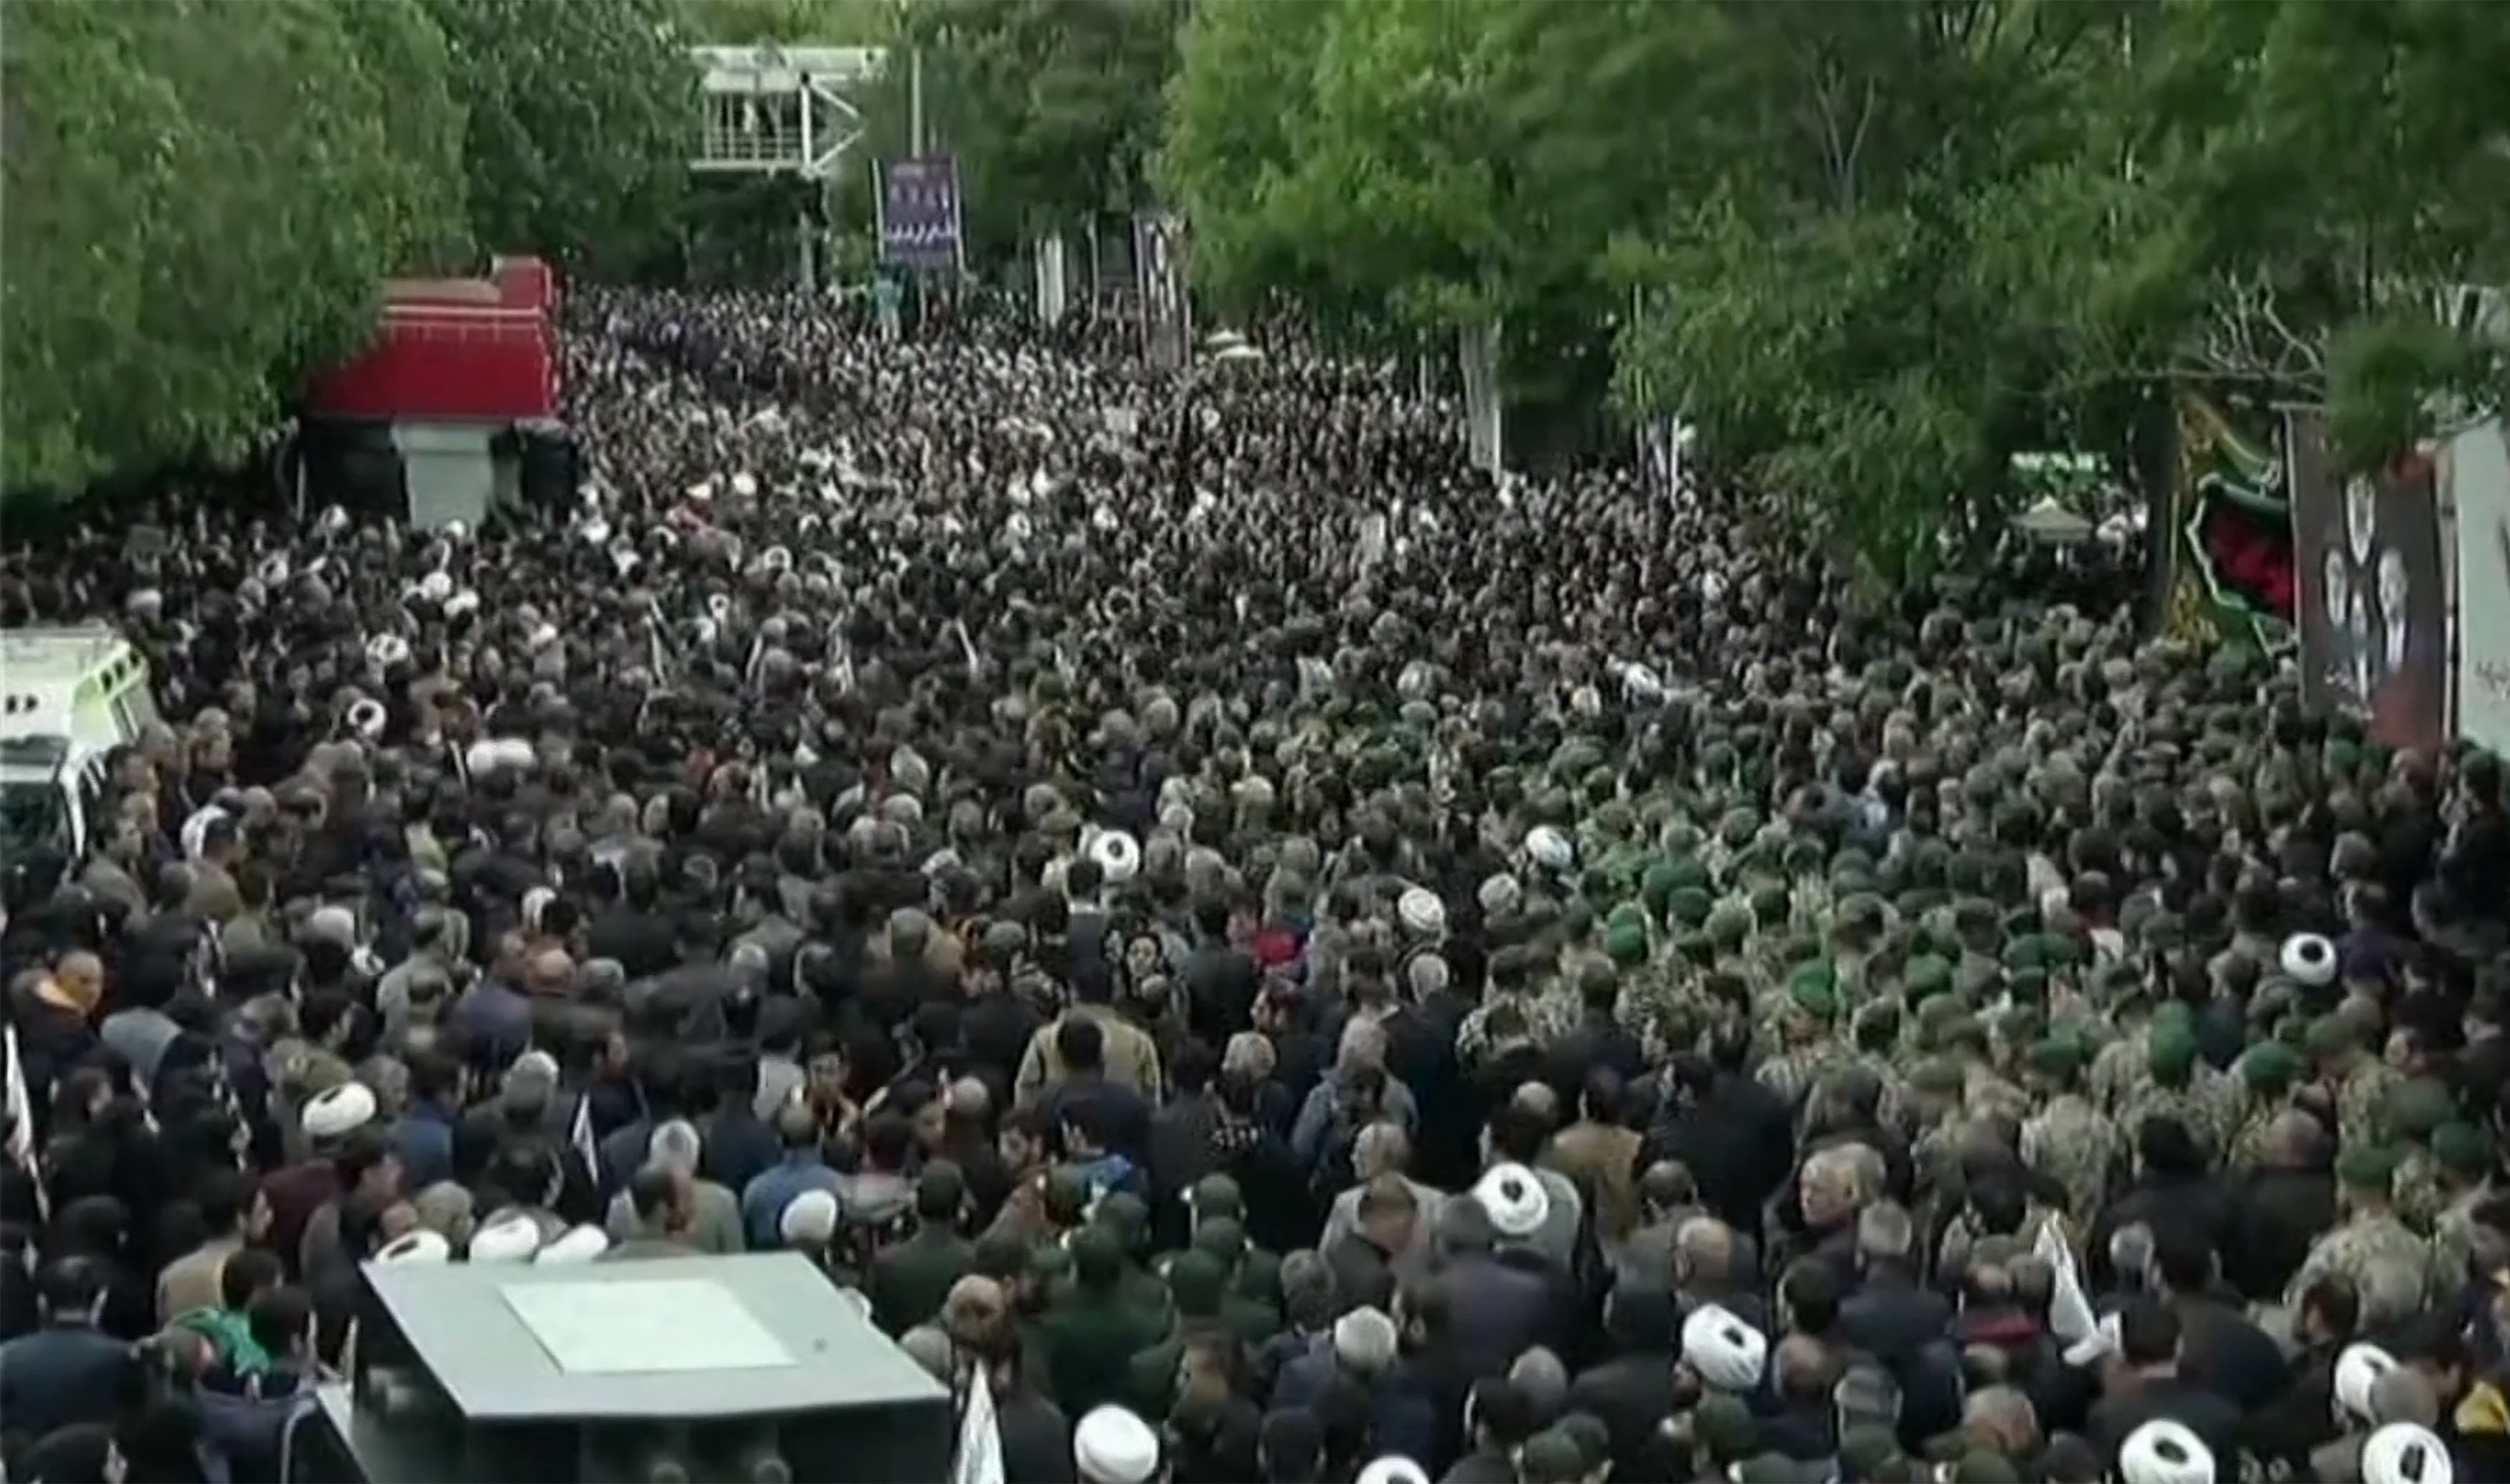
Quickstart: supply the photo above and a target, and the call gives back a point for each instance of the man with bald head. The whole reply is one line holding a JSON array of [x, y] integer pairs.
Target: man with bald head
[[1708, 1269], [1378, 1150], [1668, 1198]]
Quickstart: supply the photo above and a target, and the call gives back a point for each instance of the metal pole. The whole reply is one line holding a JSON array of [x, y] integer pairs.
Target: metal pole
[[915, 102]]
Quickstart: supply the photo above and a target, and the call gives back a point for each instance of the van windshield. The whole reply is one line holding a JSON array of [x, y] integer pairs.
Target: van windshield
[[34, 820]]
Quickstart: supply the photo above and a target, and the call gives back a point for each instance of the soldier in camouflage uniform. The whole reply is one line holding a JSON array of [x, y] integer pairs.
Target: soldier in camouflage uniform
[[1933, 1102], [1857, 934], [2165, 1089], [1985, 1091], [2359, 1082], [1811, 1006], [1647, 1002], [2069, 1141], [2462, 1156], [2118, 1069], [1873, 1036], [2416, 1110], [1730, 933], [2391, 1268], [2268, 1071]]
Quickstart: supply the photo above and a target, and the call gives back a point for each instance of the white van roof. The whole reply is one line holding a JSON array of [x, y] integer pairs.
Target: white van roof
[[44, 672]]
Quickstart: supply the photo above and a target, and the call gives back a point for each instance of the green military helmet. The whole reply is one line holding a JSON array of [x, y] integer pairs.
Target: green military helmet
[[2417, 1107], [2329, 1037], [2365, 1166], [1625, 940], [1937, 1075], [2061, 951], [1860, 913], [1690, 907], [1657, 884], [1730, 926], [2270, 1068], [2462, 1149], [2059, 1058], [1813, 987]]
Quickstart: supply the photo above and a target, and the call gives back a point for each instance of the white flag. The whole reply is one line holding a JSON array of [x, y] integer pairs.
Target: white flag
[[22, 1119], [580, 1134], [2071, 1317], [980, 1459]]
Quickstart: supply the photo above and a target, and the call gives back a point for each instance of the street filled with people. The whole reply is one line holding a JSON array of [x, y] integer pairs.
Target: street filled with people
[[1273, 953]]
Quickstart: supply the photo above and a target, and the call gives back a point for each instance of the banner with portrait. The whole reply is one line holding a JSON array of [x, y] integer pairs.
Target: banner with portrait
[[1159, 259], [2373, 595]]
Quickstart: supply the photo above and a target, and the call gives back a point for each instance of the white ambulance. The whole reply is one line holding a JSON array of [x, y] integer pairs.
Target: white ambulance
[[68, 696]]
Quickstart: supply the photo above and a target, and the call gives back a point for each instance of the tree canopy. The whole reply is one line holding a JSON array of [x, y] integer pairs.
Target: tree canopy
[[1052, 108], [1873, 250], [206, 196]]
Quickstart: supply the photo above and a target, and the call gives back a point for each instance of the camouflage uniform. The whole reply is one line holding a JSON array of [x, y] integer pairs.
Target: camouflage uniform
[[2361, 1098], [2393, 1271], [2265, 1072], [2069, 1142], [1987, 1094], [2453, 1238], [1792, 1073], [2419, 1195], [2118, 1071], [2385, 1262], [2151, 1100], [2248, 1147], [2219, 1101]]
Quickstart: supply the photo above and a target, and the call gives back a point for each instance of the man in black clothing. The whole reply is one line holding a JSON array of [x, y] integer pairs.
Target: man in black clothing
[[739, 1145], [1734, 1135], [2220, 1350], [2147, 1384], [1632, 1390]]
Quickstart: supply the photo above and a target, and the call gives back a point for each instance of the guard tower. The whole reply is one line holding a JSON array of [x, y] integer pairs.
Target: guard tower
[[781, 110]]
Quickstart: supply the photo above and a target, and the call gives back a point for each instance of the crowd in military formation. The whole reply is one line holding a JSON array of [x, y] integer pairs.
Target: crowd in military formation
[[1256, 951]]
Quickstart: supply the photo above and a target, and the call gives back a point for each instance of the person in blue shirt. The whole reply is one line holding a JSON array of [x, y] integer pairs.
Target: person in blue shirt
[[802, 1168]]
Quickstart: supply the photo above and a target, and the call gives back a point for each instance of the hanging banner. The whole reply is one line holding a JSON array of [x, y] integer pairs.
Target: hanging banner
[[1168, 314], [1477, 351], [1053, 281], [2476, 473], [2373, 607], [2228, 542], [919, 214], [1161, 263]]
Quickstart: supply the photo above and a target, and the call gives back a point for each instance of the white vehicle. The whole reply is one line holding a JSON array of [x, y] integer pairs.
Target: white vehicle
[[68, 696]]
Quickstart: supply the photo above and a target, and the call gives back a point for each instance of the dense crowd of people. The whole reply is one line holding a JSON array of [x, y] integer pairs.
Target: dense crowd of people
[[1274, 954]]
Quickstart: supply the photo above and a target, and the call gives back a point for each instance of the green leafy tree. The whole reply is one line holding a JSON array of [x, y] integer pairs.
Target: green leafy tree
[[2331, 174], [1239, 110], [789, 23], [1837, 312], [204, 197], [583, 119]]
